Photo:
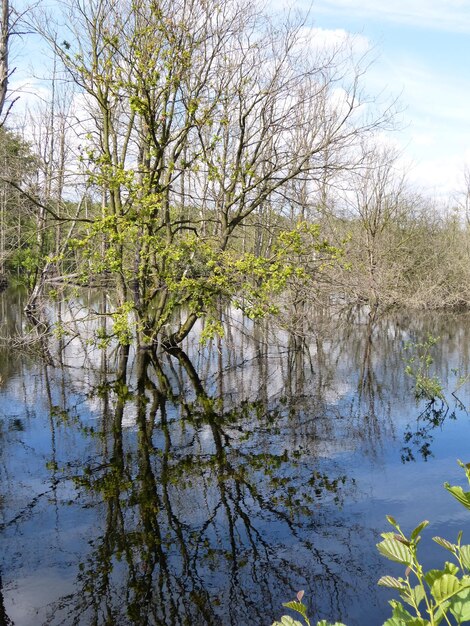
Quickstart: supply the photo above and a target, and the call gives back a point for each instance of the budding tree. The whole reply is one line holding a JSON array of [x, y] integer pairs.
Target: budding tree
[[197, 117]]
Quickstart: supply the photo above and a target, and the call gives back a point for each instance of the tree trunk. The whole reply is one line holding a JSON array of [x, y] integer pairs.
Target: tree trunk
[[4, 45]]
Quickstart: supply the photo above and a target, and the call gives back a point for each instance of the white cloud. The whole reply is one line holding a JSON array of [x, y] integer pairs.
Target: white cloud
[[29, 93], [435, 119], [329, 39], [430, 95], [438, 176], [426, 139], [453, 15]]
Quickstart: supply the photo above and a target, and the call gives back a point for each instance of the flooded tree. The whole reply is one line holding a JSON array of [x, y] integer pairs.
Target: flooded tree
[[206, 486], [195, 118]]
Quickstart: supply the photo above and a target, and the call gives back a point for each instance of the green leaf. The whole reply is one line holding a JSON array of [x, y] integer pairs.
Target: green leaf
[[417, 595], [391, 520], [396, 551], [413, 597], [286, 620], [445, 544], [296, 606], [459, 494], [401, 617], [451, 568], [390, 582], [441, 612], [465, 555], [418, 529], [412, 621], [394, 621], [445, 587], [432, 575], [460, 606], [325, 623], [466, 467]]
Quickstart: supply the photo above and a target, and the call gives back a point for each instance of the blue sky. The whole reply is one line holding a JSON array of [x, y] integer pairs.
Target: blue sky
[[423, 56]]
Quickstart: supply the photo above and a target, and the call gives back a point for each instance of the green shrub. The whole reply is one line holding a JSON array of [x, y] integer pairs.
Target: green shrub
[[433, 597]]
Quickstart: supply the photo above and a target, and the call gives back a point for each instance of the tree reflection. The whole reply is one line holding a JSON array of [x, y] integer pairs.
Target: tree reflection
[[4, 619], [206, 512], [419, 437], [206, 490]]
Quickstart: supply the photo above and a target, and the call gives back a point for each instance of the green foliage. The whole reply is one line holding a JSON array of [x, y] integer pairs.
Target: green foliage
[[433, 597], [212, 328], [418, 367], [459, 494], [24, 261], [299, 607], [437, 595], [194, 273], [18, 169], [122, 324]]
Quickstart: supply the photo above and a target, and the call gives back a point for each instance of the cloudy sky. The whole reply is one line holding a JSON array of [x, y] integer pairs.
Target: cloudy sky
[[423, 56], [422, 52]]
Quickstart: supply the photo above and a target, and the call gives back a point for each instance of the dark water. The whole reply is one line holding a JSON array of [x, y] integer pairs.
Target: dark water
[[207, 487]]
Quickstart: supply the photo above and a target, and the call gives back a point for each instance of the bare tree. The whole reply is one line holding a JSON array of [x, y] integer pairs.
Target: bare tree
[[10, 21], [4, 49]]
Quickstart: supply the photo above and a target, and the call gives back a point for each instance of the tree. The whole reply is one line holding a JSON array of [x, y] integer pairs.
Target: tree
[[4, 49], [18, 167], [379, 205], [10, 21], [198, 116]]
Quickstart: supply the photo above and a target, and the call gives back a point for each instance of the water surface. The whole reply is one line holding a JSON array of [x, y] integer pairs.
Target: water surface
[[208, 486]]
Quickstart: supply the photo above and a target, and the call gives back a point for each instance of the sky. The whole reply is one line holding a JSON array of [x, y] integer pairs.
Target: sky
[[422, 55]]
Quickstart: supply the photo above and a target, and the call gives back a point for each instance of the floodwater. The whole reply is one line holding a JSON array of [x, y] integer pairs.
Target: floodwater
[[209, 486]]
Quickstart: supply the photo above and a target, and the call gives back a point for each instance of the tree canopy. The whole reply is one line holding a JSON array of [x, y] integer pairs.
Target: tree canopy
[[196, 118]]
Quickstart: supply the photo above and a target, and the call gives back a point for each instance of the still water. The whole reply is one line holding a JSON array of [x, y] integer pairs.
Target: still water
[[210, 485]]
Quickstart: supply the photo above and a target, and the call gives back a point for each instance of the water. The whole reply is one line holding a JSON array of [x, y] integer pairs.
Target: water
[[207, 487]]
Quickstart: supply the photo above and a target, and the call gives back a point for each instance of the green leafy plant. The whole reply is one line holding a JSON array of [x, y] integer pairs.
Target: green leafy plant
[[299, 607], [433, 595], [436, 596], [418, 367]]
